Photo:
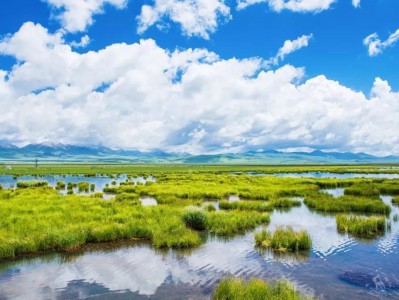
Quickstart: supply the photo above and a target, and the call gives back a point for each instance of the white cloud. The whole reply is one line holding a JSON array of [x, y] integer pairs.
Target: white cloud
[[376, 46], [292, 5], [77, 15], [356, 3], [196, 17], [84, 42], [289, 47], [142, 96]]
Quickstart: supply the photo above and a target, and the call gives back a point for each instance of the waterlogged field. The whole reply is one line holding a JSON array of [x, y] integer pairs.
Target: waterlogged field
[[184, 232]]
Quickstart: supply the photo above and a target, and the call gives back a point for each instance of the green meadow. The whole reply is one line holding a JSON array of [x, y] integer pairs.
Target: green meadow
[[190, 203]]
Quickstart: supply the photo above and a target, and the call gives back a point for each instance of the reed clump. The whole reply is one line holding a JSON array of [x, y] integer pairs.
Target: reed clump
[[234, 222], [195, 219], [347, 203], [361, 226], [31, 184], [284, 239], [254, 289]]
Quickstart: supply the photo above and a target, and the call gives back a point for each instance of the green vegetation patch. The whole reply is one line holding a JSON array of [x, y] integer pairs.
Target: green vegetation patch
[[195, 219], [284, 239], [327, 203], [361, 226], [255, 289], [31, 183], [234, 222]]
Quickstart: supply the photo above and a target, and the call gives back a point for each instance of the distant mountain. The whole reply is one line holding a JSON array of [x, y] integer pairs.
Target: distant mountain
[[72, 153]]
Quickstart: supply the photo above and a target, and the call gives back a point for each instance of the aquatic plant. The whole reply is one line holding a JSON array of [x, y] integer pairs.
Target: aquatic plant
[[361, 226], [246, 205], [255, 289], [395, 200], [60, 185], [195, 219], [363, 190], [31, 183], [234, 222], [327, 203], [83, 187], [284, 239], [210, 207]]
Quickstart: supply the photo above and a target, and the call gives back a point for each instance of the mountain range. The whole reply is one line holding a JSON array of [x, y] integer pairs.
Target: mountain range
[[71, 153]]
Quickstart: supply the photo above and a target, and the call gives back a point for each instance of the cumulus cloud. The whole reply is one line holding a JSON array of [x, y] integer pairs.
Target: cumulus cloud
[[77, 15], [289, 47], [376, 46], [292, 5], [356, 3], [141, 96], [195, 17], [84, 42]]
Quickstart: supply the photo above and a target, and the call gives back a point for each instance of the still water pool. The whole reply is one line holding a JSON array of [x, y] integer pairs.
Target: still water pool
[[338, 266]]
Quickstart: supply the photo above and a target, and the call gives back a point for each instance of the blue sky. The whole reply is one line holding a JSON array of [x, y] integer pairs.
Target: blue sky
[[332, 47], [336, 49]]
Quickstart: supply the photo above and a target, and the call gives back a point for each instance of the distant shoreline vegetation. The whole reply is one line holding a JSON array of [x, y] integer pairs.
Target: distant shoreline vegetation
[[190, 201]]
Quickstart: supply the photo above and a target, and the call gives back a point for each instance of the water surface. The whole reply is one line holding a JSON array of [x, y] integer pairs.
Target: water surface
[[140, 272]]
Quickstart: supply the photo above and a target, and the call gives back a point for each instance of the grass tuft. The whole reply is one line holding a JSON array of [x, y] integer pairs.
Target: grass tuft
[[255, 289], [284, 239], [361, 226]]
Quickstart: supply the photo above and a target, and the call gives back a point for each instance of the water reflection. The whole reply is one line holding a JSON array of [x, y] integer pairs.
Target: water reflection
[[148, 201], [138, 271], [99, 181]]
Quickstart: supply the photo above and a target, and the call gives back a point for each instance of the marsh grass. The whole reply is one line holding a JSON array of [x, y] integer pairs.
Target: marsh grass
[[284, 239], [60, 185], [361, 226], [347, 203], [363, 190], [255, 289], [260, 206], [40, 220], [235, 222], [195, 219], [395, 200], [83, 187], [31, 183]]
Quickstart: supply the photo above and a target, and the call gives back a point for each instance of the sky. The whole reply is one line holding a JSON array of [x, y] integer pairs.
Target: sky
[[201, 76]]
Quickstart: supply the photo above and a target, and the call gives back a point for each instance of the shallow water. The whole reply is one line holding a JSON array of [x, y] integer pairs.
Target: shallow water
[[138, 271], [148, 201], [7, 181], [331, 175]]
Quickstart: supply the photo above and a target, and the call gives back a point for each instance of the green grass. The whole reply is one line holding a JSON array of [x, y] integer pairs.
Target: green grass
[[234, 222], [31, 183], [361, 226], [83, 187], [395, 200], [284, 239], [60, 185], [363, 190], [327, 203], [255, 289], [259, 206], [38, 219], [195, 219]]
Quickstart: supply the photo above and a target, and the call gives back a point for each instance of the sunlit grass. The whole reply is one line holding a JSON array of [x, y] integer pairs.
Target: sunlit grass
[[284, 239], [361, 226], [327, 203], [255, 289]]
